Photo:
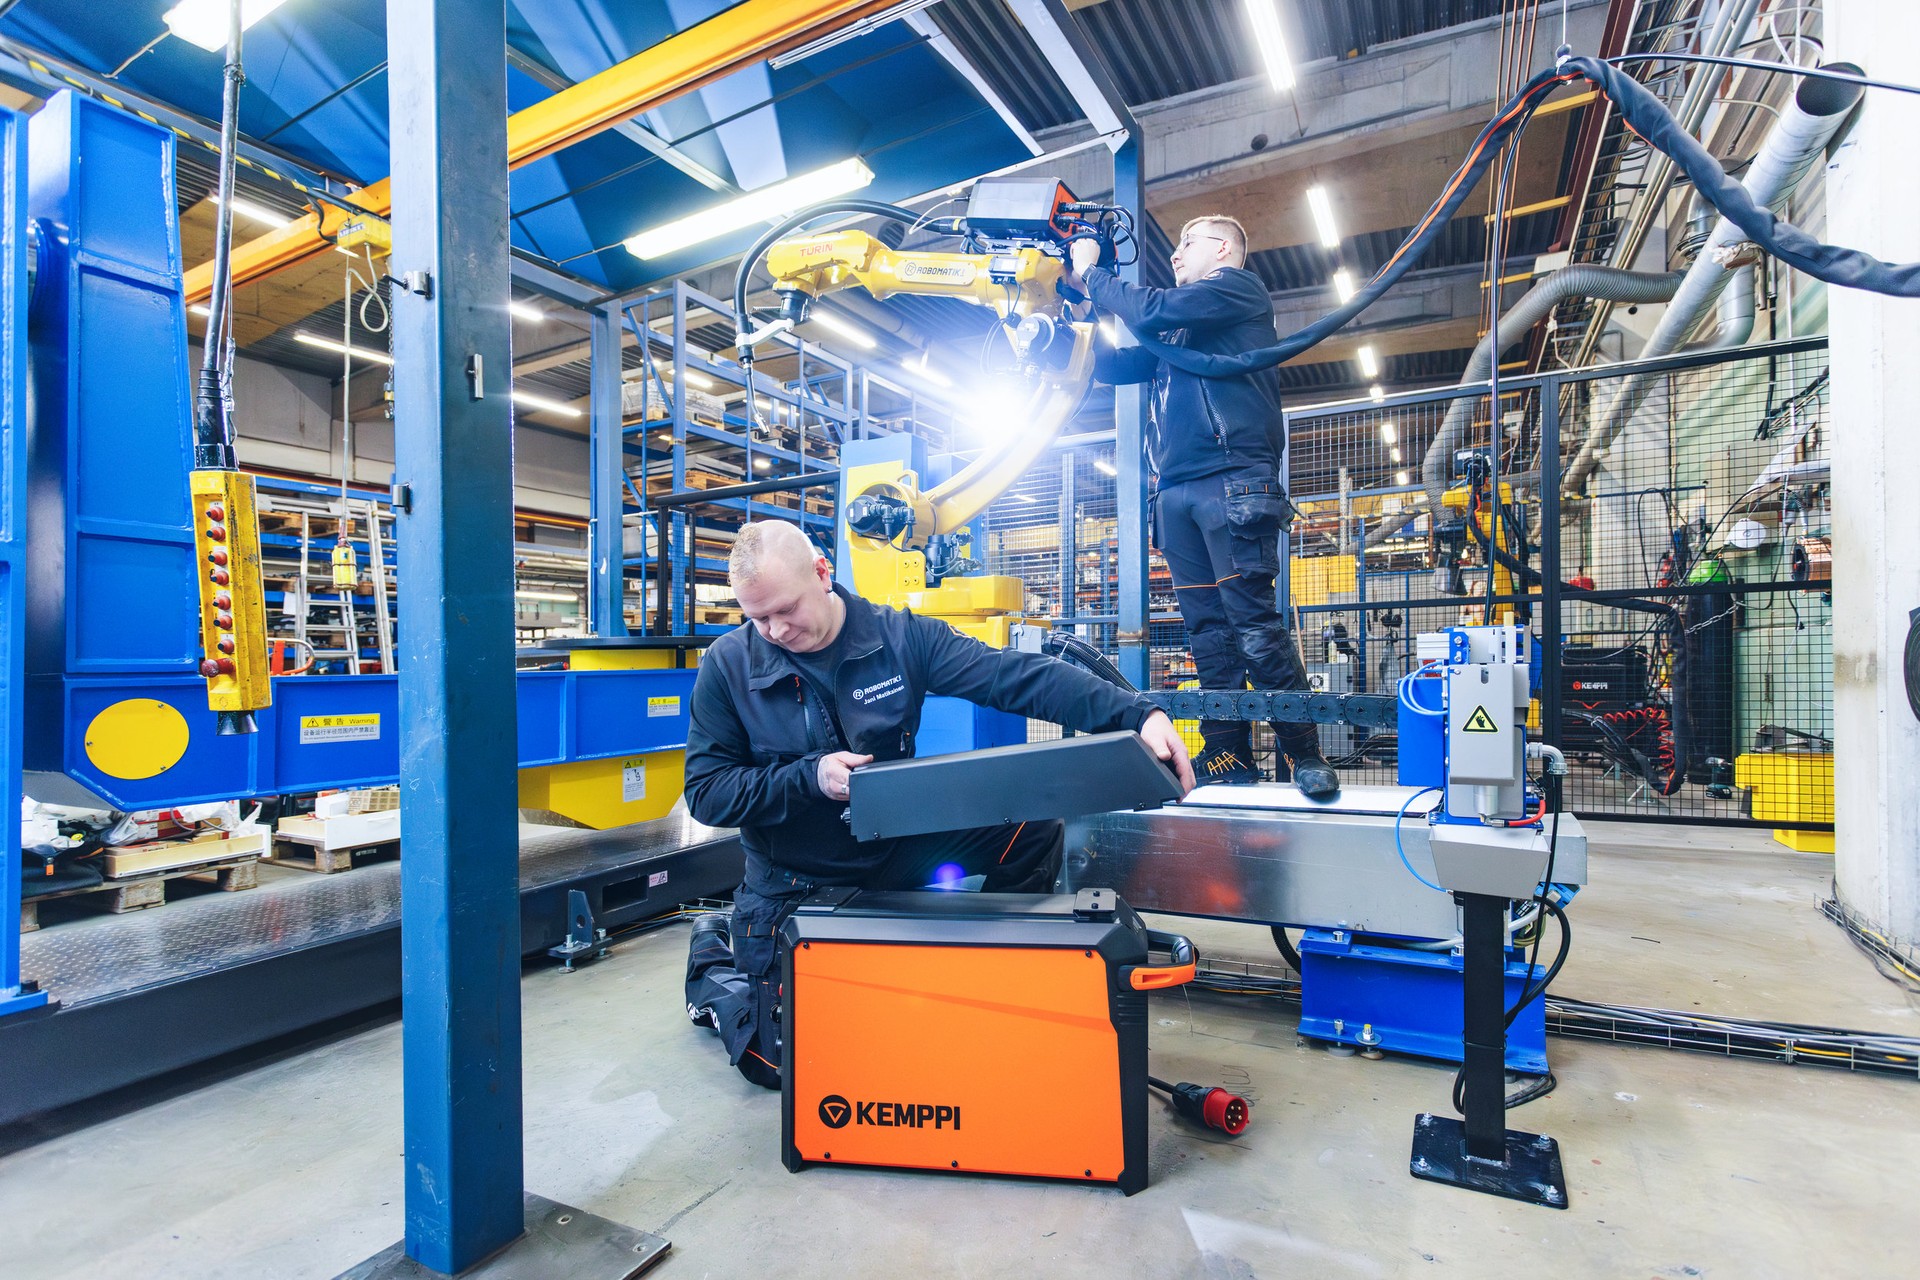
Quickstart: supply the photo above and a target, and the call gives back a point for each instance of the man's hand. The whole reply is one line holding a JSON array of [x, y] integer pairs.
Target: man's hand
[[835, 772], [1159, 734], [1081, 254]]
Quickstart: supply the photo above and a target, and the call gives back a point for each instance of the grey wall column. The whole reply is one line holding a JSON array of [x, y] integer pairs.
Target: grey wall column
[[606, 461], [1080, 69], [1873, 188], [453, 360]]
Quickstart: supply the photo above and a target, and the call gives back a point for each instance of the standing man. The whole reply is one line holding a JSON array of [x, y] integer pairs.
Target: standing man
[[817, 683], [1214, 445]]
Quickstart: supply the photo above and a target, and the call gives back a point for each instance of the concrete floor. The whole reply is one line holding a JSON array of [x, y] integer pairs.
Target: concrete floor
[[1679, 1165]]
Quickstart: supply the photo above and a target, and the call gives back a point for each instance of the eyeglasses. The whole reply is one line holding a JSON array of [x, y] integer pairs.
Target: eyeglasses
[[1186, 241]]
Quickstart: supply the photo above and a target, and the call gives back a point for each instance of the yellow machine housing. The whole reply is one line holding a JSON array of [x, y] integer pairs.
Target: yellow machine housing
[[233, 615], [618, 789]]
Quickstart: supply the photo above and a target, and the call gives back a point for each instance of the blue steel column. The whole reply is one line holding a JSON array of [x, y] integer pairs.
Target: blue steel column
[[1129, 453], [606, 551], [460, 903], [13, 544]]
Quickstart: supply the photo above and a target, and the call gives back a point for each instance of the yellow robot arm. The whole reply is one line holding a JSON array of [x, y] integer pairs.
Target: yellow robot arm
[[890, 520]]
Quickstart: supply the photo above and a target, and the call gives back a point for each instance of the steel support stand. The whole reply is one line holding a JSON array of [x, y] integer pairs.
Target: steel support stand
[[466, 1209], [16, 995], [1481, 1153], [606, 525]]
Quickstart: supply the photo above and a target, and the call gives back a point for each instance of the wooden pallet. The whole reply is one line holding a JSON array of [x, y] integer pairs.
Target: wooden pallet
[[137, 893], [302, 855]]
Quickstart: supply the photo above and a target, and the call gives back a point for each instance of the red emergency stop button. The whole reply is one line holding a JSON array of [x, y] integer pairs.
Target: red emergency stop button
[[216, 512], [224, 621], [218, 555], [216, 667], [221, 600], [218, 577], [225, 645], [218, 532]]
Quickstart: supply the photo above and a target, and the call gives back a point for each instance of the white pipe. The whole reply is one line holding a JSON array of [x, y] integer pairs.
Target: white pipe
[[1796, 140]]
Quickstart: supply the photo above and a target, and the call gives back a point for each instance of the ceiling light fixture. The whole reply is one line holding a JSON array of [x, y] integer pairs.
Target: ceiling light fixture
[[851, 332], [1390, 433], [255, 212], [1322, 207], [1369, 362], [1343, 285], [204, 22], [1272, 42], [1375, 394], [772, 201], [1393, 455], [528, 400], [560, 597], [526, 311], [1400, 477], [201, 309], [369, 354], [1102, 465]]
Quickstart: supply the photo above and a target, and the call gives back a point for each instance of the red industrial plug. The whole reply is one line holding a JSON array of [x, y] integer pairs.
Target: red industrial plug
[[221, 600], [224, 621], [218, 532], [219, 578], [218, 555], [225, 645], [216, 512], [1208, 1105]]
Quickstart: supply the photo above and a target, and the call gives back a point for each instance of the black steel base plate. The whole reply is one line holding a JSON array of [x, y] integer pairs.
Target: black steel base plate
[[1531, 1172], [561, 1243]]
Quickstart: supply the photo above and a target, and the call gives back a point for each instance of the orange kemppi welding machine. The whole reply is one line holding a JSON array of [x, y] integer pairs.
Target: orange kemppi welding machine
[[986, 1033]]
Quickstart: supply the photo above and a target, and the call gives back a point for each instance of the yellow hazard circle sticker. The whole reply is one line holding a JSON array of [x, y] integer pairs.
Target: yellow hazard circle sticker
[[137, 738]]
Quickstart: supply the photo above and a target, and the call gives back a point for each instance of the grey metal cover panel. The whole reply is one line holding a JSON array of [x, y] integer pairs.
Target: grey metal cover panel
[[1029, 782], [88, 960], [1278, 859]]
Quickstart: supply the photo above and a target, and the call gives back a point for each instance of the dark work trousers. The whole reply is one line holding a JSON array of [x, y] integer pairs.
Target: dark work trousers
[[743, 997], [1220, 536]]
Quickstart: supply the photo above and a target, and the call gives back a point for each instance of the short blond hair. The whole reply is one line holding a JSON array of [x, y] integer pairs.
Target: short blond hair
[[1227, 228], [768, 544]]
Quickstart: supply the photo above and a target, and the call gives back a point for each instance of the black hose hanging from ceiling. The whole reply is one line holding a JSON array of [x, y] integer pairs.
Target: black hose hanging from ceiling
[[1648, 117], [871, 208]]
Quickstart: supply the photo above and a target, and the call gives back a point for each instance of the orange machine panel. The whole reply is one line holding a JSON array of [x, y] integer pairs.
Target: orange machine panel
[[979, 1058]]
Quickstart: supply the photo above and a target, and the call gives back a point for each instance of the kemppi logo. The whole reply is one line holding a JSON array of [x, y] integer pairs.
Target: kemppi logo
[[836, 1111]]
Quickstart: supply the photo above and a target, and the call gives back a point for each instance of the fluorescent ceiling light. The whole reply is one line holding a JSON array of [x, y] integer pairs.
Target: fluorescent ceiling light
[[1272, 43], [1390, 433], [926, 373], [545, 405], [562, 597], [526, 311], [1393, 455], [248, 209], [1322, 209], [762, 463], [201, 309], [1400, 477], [1026, 497], [204, 22], [697, 378], [358, 353], [1343, 285], [768, 202], [1376, 393], [1101, 464], [1369, 362], [851, 332]]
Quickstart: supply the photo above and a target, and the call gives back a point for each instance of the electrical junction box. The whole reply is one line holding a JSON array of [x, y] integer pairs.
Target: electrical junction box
[[1018, 208], [1485, 742], [367, 229]]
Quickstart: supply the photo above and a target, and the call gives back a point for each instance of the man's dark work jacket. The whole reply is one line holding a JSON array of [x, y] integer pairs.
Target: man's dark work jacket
[[759, 729], [1199, 426]]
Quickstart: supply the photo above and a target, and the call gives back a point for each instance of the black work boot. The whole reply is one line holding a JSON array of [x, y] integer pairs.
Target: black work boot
[[1225, 765], [710, 947], [1315, 778]]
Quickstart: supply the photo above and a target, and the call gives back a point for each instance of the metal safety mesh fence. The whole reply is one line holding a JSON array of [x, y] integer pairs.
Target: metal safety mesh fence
[[1678, 575]]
